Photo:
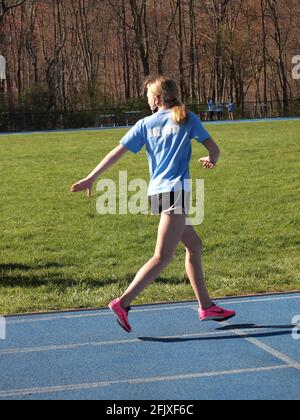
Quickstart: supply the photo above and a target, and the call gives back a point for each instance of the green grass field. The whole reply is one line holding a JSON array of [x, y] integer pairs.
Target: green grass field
[[58, 253]]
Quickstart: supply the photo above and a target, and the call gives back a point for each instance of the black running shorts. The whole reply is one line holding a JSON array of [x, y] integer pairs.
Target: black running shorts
[[176, 201]]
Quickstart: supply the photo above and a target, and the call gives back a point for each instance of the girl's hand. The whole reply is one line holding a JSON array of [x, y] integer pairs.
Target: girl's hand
[[207, 163], [83, 185]]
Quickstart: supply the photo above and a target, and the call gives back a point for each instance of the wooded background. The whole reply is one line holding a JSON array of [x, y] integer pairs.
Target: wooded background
[[71, 55]]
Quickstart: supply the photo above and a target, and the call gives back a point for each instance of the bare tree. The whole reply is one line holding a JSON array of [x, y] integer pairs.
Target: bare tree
[[75, 54], [139, 13], [124, 41], [7, 5], [192, 48], [179, 36], [52, 44], [86, 13], [162, 18], [280, 36]]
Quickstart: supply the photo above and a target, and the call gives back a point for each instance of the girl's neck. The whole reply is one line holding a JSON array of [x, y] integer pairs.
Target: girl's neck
[[163, 108]]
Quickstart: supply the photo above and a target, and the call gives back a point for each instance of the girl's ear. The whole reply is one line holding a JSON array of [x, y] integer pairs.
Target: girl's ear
[[158, 100]]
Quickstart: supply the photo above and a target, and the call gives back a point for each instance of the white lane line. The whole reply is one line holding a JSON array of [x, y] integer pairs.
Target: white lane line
[[273, 299], [118, 342], [99, 314], [268, 349], [134, 381], [171, 307]]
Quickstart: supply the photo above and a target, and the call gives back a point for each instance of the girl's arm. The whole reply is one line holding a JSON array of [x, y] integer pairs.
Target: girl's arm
[[107, 162], [210, 161]]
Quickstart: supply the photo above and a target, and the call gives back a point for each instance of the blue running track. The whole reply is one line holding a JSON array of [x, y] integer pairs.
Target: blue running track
[[169, 356]]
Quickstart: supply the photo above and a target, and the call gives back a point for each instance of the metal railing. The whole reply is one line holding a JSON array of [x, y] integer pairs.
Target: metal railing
[[117, 117]]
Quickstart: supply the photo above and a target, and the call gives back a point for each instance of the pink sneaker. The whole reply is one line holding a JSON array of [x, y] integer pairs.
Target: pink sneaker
[[215, 313], [121, 314]]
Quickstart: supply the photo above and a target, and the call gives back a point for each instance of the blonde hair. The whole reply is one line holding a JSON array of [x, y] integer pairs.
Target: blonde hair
[[167, 89]]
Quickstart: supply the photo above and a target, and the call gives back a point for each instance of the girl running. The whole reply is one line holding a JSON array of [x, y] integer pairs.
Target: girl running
[[167, 135]]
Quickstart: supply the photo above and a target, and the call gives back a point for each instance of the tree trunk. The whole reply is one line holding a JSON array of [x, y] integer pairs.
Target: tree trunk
[[141, 32]]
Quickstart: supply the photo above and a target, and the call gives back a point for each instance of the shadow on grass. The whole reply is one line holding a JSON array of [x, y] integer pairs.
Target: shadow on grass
[[24, 267], [32, 276]]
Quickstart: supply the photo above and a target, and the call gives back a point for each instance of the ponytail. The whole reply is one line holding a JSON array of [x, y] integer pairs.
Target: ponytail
[[180, 113]]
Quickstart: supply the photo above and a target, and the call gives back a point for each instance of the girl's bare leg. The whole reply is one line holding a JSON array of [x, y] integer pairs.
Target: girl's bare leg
[[194, 248], [170, 231]]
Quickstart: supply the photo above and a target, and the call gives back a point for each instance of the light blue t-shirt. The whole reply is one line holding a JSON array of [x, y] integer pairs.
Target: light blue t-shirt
[[168, 147]]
